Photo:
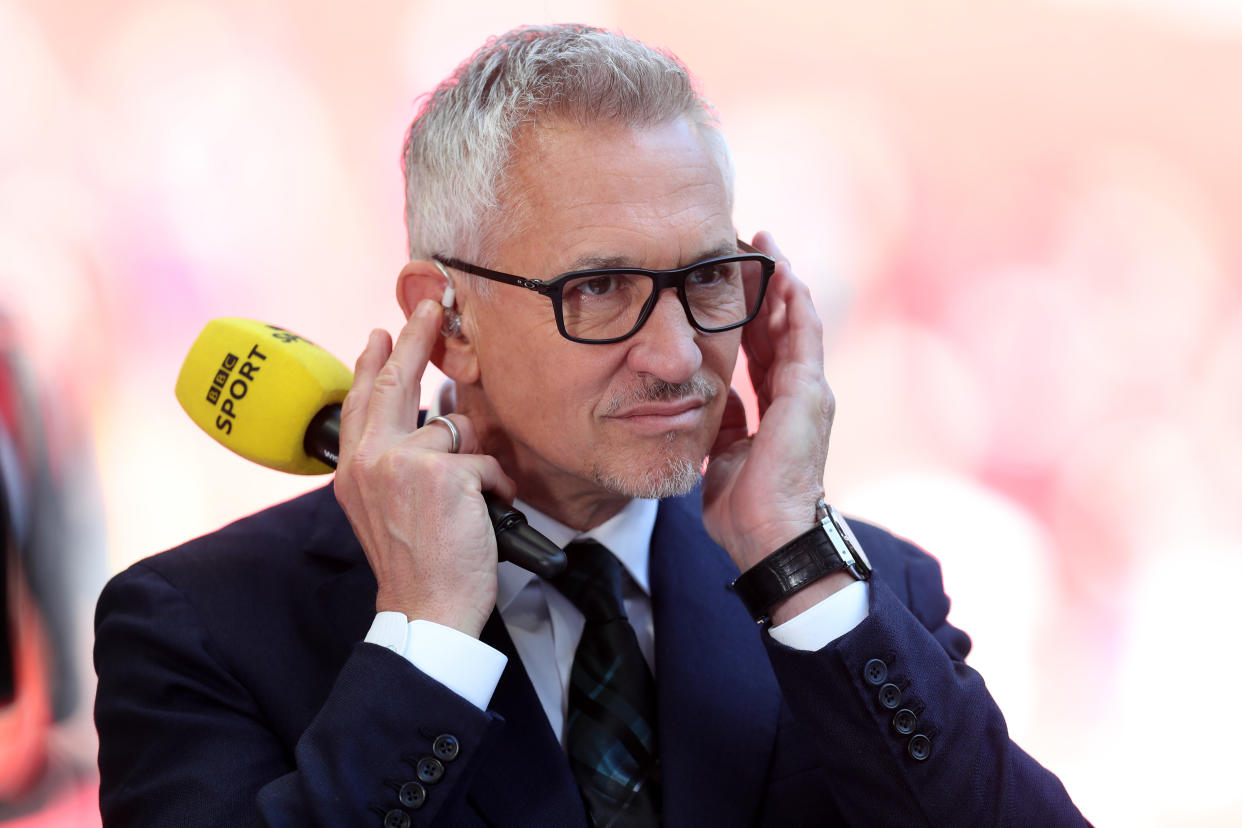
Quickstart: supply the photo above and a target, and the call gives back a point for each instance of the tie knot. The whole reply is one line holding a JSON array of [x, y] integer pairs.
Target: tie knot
[[592, 581]]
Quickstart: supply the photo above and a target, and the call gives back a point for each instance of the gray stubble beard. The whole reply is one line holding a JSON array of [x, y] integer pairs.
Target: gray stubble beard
[[673, 477]]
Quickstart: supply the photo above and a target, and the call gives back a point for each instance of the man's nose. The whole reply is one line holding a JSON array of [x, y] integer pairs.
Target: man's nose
[[667, 346]]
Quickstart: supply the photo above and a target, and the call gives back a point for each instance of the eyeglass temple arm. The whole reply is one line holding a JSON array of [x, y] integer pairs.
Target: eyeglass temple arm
[[494, 275]]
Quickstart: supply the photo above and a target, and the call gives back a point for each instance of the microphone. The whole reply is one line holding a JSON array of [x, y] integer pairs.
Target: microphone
[[275, 398]]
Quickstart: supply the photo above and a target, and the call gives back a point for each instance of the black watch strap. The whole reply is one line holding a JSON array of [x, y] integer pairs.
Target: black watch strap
[[826, 548]]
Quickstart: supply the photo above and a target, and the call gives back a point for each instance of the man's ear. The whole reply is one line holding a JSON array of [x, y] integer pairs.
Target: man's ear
[[454, 355]]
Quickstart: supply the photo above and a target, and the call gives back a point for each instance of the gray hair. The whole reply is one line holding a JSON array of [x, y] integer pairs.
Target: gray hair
[[461, 143]]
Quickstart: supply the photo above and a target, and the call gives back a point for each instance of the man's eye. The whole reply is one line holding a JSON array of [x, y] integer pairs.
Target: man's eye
[[596, 285], [710, 275]]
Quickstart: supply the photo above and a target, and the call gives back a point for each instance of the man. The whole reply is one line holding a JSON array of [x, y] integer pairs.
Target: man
[[289, 670]]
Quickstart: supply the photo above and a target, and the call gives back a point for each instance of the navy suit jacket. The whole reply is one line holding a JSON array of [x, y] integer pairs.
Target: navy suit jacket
[[234, 690]]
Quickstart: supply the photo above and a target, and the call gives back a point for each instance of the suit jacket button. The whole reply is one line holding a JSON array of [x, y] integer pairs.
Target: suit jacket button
[[412, 795], [429, 770], [875, 672], [446, 747], [396, 818], [890, 696], [904, 721], [920, 746]]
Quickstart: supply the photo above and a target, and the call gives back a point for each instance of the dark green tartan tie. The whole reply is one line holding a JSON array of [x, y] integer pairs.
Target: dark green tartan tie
[[610, 727]]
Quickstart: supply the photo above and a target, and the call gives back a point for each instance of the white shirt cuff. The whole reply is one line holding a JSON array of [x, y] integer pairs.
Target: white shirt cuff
[[827, 621], [463, 664]]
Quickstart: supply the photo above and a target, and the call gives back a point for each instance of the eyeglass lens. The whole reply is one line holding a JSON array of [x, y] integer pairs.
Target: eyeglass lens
[[608, 305]]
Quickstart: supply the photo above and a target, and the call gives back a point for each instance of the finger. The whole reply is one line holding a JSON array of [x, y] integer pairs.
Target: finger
[[766, 243], [761, 337], [759, 341], [804, 332], [437, 437], [471, 474], [797, 367], [395, 393], [354, 406], [786, 344], [796, 377], [732, 424], [493, 478]]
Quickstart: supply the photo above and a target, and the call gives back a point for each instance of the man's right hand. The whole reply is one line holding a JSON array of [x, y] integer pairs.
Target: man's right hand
[[417, 510]]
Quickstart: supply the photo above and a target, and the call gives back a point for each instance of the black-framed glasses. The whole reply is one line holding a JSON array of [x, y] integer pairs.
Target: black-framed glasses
[[609, 304]]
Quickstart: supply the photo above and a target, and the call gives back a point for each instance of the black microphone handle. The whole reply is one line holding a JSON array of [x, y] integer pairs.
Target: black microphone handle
[[516, 541], [323, 435]]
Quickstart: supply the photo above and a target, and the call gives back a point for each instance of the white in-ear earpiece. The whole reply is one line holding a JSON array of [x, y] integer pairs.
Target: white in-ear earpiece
[[450, 325]]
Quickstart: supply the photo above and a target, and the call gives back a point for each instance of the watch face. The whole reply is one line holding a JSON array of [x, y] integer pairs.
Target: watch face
[[864, 563]]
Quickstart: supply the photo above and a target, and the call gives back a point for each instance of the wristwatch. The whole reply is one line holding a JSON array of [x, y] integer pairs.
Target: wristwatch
[[827, 547]]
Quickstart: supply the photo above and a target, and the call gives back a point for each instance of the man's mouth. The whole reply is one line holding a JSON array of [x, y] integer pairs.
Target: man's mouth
[[662, 407], [672, 408], [656, 418]]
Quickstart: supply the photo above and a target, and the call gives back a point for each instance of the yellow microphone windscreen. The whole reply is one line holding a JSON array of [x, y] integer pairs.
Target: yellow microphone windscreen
[[256, 387]]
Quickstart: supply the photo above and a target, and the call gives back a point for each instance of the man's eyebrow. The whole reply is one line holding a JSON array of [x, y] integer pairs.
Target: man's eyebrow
[[598, 262], [595, 262]]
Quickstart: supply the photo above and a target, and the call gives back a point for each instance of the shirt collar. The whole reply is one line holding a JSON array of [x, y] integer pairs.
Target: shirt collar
[[627, 534]]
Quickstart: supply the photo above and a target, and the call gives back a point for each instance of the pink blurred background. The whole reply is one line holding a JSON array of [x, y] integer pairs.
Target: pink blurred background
[[1020, 220]]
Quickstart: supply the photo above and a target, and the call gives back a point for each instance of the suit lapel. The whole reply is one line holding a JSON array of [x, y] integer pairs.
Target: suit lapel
[[345, 594], [718, 699], [526, 772]]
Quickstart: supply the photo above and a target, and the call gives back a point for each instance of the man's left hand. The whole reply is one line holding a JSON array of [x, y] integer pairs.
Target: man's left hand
[[760, 490]]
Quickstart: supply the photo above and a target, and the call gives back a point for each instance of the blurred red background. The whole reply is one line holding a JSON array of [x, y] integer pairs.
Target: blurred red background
[[1020, 220]]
